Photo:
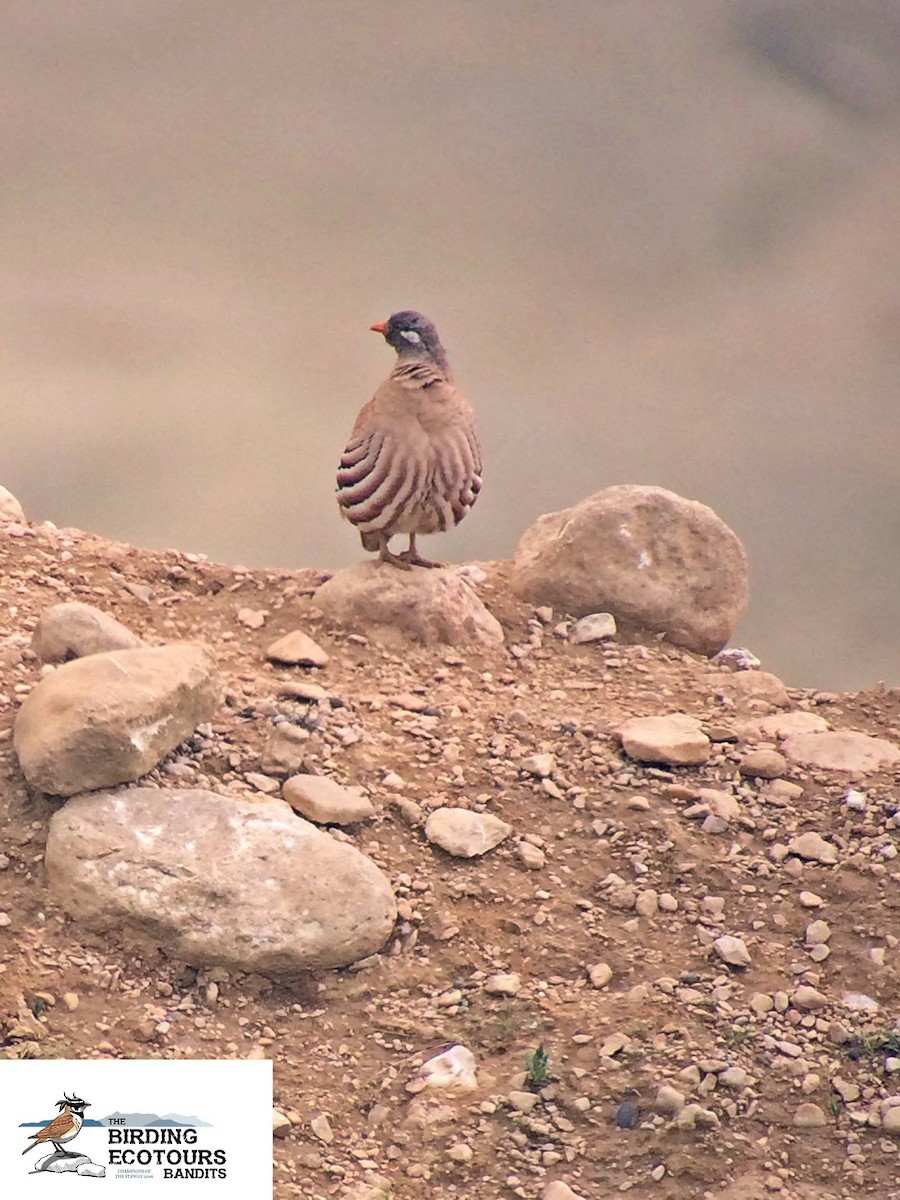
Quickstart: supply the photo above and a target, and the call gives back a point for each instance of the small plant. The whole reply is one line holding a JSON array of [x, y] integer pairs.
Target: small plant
[[537, 1069]]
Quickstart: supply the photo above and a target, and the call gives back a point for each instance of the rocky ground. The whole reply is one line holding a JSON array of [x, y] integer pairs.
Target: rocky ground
[[677, 980]]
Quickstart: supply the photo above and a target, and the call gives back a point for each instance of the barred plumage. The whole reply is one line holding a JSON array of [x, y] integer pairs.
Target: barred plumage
[[413, 462]]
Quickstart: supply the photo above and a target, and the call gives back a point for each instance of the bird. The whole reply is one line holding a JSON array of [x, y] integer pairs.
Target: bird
[[64, 1126], [413, 461]]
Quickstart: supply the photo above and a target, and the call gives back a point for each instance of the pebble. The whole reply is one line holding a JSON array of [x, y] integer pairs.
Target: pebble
[[808, 999], [627, 1115], [669, 1100], [523, 1101], [817, 933], [557, 1190], [600, 974], [5, 920], [321, 1128], [647, 903], [280, 1124], [531, 857], [732, 950], [810, 900], [539, 765], [675, 739], [465, 834], [460, 1152], [69, 1001]]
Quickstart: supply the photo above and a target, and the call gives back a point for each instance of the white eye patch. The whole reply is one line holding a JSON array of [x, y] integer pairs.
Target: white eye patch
[[410, 335]]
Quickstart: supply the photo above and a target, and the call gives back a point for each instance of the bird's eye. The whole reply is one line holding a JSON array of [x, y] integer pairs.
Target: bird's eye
[[410, 335]]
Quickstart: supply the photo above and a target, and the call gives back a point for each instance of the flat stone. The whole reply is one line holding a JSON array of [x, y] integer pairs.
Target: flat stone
[[841, 750], [659, 562], [297, 649], [74, 630], [817, 933], [539, 765], [453, 1072], [780, 725], [327, 802], [216, 880], [810, 900], [558, 1190], [530, 856], [503, 984], [465, 834], [812, 847], [523, 1101], [741, 686], [109, 718], [846, 1089], [675, 739], [431, 607], [809, 1116]]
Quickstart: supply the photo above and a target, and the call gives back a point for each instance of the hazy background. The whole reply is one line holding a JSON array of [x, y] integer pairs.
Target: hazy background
[[660, 241]]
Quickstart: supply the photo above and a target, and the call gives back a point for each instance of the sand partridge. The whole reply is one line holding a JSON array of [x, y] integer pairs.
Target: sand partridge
[[413, 462]]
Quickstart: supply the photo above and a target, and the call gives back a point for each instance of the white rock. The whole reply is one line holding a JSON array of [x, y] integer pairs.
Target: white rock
[[813, 847], [676, 739], [325, 801], [558, 1190], [453, 1071], [841, 750], [669, 1099], [595, 627], [809, 1116], [297, 649], [281, 1124], [539, 765], [732, 950], [503, 984], [74, 630], [10, 508], [217, 880], [465, 834], [600, 974]]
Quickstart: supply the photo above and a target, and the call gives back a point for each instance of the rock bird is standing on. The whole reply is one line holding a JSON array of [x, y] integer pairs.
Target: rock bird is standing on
[[413, 462]]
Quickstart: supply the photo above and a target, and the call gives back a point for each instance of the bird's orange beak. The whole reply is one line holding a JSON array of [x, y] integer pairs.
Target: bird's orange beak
[[379, 326]]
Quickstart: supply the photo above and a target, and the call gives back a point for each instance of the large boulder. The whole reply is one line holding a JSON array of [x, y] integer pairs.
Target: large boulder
[[109, 718], [10, 508], [217, 880], [431, 607], [658, 562], [74, 630]]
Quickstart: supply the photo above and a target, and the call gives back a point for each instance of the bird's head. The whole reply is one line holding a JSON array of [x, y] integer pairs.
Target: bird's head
[[75, 1103], [411, 334]]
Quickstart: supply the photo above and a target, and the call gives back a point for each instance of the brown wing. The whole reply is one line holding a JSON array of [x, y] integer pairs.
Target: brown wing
[[57, 1127]]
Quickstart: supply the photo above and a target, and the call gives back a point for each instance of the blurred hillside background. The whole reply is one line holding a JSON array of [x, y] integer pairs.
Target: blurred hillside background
[[660, 241]]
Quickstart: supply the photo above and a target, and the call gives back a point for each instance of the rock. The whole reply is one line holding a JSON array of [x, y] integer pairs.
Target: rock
[[530, 856], [890, 1120], [780, 725], [297, 649], [70, 1001], [813, 847], [503, 984], [732, 950], [10, 508], [842, 750], [676, 739], [595, 627], [627, 1115], [75, 630], [600, 974], [281, 1124], [693, 1115], [285, 750], [647, 903], [96, 1170], [669, 1100], [540, 765], [216, 880], [734, 1077], [523, 1101], [660, 563], [109, 718], [817, 933], [809, 1116], [465, 834], [453, 1071], [720, 804], [65, 1164], [741, 686], [327, 802], [557, 1190], [810, 900], [430, 607], [763, 764], [847, 1090], [460, 1152], [808, 999], [320, 1127], [761, 1003]]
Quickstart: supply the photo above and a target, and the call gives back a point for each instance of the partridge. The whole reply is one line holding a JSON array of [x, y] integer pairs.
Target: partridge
[[413, 462]]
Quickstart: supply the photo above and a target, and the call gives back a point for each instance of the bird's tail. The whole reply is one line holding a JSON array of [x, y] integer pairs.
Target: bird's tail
[[36, 1142]]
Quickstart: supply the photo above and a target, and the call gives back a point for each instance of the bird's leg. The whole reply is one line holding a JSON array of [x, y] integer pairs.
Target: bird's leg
[[413, 559], [65, 1153], [386, 555]]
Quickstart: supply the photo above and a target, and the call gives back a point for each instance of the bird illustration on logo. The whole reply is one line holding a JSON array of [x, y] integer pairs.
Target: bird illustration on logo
[[63, 1127]]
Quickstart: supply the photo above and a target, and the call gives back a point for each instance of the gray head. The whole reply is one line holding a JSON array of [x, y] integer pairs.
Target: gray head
[[412, 336]]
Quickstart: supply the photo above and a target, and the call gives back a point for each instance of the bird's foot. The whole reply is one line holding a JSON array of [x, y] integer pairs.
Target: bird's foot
[[415, 560], [396, 560]]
